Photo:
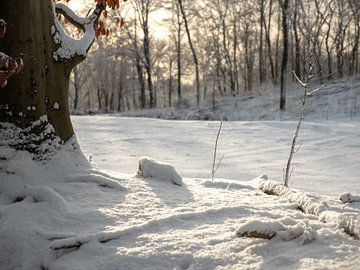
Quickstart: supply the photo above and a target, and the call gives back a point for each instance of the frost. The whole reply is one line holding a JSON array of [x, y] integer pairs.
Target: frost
[[151, 168], [69, 47]]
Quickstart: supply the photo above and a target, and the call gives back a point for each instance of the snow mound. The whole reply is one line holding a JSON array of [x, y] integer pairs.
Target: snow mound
[[284, 228], [349, 198], [151, 168]]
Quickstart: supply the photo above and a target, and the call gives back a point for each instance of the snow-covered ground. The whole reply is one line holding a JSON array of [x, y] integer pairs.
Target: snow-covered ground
[[328, 161], [67, 214]]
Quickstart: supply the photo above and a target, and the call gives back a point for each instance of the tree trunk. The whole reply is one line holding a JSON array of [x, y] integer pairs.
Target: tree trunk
[[196, 62], [76, 88], [284, 11], [297, 66], [268, 42], [42, 88], [170, 81], [261, 38]]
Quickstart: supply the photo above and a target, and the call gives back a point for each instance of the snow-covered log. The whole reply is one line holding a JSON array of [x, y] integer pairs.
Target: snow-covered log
[[348, 222], [151, 168]]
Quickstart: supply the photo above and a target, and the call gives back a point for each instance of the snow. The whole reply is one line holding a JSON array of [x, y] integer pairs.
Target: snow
[[68, 46], [58, 210], [325, 163], [151, 168], [56, 106], [349, 198], [286, 229]]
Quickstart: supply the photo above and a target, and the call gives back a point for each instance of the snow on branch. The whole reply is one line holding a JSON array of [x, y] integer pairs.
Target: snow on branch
[[307, 204], [68, 46], [348, 222]]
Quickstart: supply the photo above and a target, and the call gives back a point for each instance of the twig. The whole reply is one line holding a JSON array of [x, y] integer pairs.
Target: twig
[[213, 171], [305, 85]]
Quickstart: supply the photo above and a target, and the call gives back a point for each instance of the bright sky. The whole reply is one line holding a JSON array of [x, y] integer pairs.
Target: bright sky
[[156, 17]]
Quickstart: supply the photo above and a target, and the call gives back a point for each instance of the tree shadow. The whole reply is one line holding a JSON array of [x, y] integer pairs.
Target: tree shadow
[[170, 194]]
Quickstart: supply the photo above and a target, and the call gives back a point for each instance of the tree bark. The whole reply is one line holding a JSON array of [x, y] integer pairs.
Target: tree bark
[[285, 30], [44, 82], [42, 88], [261, 38]]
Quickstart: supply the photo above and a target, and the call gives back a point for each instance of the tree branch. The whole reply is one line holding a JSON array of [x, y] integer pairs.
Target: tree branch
[[72, 49]]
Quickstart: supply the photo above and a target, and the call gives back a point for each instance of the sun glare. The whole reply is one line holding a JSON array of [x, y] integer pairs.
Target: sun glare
[[76, 4], [161, 32]]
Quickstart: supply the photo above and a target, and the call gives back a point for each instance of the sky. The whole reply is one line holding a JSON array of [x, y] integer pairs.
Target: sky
[[156, 18]]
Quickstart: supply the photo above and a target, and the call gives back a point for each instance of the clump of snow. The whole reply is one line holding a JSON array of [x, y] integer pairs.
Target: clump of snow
[[151, 168], [69, 47], [349, 198], [284, 228], [56, 106], [31, 108]]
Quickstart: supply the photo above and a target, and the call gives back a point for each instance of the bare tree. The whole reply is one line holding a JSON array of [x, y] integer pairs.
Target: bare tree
[[196, 62], [284, 4]]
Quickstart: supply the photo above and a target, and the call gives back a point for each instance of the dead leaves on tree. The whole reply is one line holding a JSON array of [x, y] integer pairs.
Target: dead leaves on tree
[[8, 66]]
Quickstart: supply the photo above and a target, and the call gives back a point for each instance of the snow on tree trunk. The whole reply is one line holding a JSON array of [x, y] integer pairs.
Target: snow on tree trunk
[[42, 88]]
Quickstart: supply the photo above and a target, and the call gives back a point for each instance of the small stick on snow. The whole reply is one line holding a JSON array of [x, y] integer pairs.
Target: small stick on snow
[[213, 171]]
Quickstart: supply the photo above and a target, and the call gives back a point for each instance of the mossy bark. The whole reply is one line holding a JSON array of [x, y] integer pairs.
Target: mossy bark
[[42, 87]]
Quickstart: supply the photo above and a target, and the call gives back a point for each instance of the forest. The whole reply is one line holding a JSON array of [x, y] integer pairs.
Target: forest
[[177, 53]]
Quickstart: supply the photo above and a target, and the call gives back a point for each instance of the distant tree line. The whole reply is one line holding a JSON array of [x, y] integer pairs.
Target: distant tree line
[[215, 48]]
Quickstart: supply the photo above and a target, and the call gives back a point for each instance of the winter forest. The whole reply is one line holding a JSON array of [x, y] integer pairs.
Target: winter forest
[[173, 134], [175, 54]]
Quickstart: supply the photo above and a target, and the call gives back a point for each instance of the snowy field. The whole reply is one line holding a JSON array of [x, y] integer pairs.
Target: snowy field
[[328, 161], [70, 215]]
